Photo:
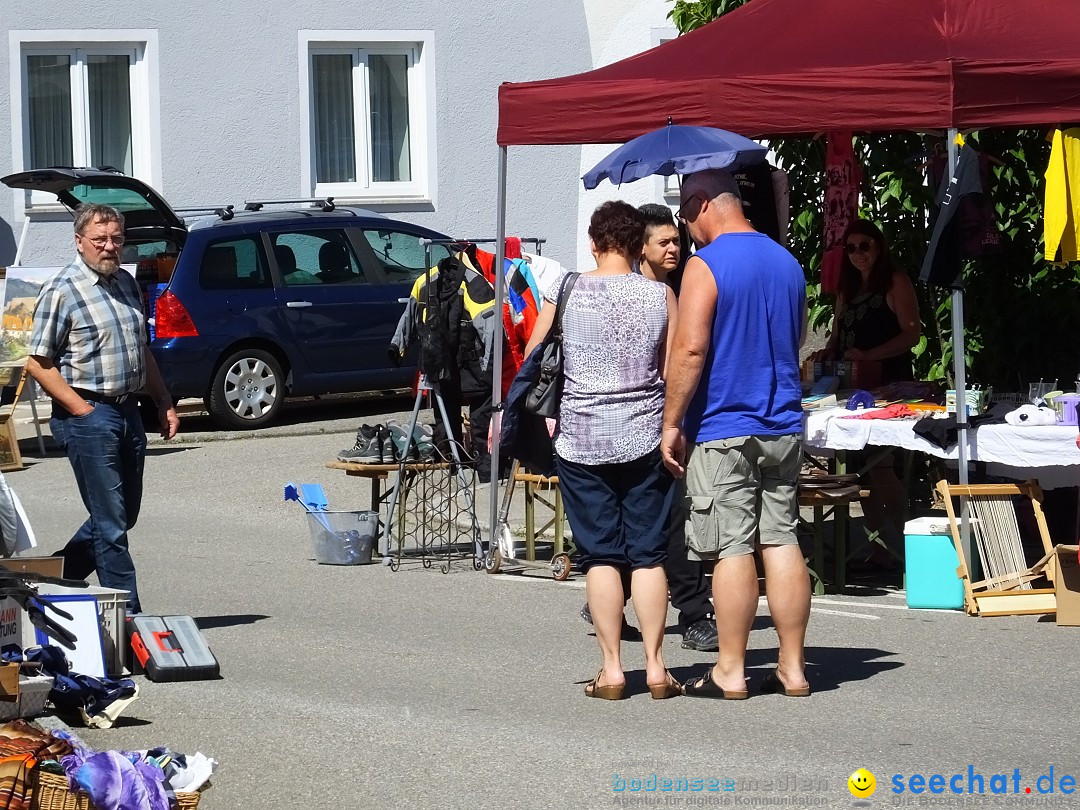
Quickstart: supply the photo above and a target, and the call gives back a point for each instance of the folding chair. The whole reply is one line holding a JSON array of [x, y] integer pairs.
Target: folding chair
[[1006, 589]]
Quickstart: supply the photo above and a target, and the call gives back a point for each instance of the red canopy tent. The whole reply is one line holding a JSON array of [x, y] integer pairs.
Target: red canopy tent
[[786, 66], [776, 67]]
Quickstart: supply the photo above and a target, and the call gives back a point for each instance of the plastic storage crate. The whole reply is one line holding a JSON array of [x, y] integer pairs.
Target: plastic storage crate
[[112, 615], [343, 538]]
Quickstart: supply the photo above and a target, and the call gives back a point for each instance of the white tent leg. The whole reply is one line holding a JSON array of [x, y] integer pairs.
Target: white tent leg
[[960, 384], [496, 372]]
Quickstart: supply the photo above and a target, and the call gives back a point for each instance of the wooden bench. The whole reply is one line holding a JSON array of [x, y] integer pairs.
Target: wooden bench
[[536, 488], [835, 503]]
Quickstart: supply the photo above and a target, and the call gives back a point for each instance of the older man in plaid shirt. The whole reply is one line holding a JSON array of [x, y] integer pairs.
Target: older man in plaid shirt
[[88, 350]]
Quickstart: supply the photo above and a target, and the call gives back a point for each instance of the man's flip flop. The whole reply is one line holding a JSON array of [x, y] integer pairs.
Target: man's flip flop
[[771, 684], [706, 687]]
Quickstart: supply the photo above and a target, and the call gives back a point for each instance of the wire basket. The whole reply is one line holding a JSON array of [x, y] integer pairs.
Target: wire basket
[[52, 793]]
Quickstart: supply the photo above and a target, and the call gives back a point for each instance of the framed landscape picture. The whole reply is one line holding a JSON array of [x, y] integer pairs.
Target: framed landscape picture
[[21, 286]]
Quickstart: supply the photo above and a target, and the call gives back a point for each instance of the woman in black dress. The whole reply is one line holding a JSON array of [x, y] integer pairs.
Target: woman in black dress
[[876, 320]]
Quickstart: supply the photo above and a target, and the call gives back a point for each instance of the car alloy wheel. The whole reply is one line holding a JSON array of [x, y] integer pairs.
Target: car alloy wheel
[[247, 390]]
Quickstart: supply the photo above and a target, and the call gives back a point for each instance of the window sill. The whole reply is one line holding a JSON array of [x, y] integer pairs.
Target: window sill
[[379, 199]]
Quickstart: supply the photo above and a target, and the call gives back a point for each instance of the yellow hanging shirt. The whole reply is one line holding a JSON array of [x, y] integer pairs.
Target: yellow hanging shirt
[[1061, 212]]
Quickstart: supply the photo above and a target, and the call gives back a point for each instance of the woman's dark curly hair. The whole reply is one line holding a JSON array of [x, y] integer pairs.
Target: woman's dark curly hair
[[881, 274], [617, 227]]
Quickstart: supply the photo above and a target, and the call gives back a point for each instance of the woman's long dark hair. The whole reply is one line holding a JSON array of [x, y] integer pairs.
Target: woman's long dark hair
[[881, 273]]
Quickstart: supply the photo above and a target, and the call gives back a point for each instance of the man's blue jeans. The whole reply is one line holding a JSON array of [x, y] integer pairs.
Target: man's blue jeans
[[107, 449]]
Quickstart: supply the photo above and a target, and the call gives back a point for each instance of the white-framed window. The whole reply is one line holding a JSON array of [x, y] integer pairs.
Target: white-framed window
[[370, 102], [85, 98]]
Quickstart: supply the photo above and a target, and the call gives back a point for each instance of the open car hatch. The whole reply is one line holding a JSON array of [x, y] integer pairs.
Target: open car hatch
[[146, 214]]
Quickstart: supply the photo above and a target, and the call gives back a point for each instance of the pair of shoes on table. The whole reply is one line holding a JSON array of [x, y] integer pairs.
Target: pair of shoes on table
[[704, 686], [702, 636], [388, 444], [629, 632]]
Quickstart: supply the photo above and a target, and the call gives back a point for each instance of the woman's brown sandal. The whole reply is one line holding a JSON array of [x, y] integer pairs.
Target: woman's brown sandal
[[593, 689], [668, 689]]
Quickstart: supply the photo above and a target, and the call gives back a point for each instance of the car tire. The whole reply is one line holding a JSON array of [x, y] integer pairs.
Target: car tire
[[247, 391]]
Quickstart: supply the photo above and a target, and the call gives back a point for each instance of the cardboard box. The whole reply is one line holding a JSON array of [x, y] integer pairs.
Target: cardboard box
[[9, 683], [1067, 585], [46, 566]]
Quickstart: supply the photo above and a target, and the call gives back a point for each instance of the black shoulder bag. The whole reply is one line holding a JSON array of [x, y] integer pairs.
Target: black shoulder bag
[[543, 398]]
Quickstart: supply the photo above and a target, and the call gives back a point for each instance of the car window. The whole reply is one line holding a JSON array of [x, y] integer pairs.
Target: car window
[[316, 257], [402, 255], [234, 264]]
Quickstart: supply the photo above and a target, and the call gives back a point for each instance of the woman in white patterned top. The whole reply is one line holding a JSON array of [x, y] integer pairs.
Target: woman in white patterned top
[[616, 492]]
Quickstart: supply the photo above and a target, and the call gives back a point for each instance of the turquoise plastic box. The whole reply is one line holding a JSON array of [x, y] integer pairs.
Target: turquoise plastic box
[[931, 561]]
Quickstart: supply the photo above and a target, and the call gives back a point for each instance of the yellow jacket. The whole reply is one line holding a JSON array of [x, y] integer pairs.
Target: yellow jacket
[[1061, 213]]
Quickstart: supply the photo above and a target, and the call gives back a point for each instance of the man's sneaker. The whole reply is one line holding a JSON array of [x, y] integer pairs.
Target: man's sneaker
[[702, 636], [367, 449], [629, 632]]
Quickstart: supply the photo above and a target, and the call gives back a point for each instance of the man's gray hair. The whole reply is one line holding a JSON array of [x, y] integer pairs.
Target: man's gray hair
[[89, 213], [712, 183]]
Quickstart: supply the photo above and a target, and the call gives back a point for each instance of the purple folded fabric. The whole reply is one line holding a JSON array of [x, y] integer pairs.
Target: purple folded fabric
[[115, 783]]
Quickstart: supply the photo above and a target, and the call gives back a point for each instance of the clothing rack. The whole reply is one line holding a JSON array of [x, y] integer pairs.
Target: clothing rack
[[496, 392]]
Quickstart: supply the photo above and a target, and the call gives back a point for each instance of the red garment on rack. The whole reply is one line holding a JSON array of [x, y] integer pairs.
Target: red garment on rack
[[843, 176], [517, 327]]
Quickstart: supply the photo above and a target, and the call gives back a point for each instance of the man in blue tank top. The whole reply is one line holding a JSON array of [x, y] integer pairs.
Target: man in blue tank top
[[732, 425]]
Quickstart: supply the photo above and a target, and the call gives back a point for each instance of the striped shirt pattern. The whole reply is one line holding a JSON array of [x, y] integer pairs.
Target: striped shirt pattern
[[93, 329]]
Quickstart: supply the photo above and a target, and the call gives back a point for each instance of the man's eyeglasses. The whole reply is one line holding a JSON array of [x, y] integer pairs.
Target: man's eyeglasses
[[857, 247], [100, 243], [679, 214]]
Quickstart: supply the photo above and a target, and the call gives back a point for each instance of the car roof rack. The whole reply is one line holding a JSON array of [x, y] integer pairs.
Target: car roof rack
[[324, 203], [223, 211]]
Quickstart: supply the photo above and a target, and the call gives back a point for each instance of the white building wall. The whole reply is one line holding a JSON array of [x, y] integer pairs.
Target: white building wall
[[229, 105]]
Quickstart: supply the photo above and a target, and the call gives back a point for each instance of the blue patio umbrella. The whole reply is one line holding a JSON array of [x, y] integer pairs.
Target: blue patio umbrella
[[675, 149]]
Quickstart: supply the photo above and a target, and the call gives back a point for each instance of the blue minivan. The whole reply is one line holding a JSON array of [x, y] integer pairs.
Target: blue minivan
[[250, 307]]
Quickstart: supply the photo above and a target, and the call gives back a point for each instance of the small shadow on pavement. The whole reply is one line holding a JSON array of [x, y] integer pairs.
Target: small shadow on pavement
[[211, 622]]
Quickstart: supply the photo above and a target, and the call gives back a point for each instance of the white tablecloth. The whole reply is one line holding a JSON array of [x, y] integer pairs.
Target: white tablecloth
[[1048, 454]]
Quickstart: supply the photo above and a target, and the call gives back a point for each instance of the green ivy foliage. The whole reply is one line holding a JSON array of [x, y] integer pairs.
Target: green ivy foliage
[[1019, 310]]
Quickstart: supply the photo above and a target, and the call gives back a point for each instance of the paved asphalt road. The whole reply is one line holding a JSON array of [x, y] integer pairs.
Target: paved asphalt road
[[361, 687]]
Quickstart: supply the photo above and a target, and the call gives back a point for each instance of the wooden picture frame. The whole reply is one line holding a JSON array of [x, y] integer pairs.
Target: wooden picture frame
[[10, 456]]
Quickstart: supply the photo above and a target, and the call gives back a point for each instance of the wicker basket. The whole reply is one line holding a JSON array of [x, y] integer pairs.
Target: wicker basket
[[52, 793]]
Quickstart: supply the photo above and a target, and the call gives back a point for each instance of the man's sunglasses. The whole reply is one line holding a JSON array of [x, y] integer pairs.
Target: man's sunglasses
[[857, 247]]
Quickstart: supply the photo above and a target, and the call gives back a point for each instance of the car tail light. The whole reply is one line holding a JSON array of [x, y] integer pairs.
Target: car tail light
[[171, 319]]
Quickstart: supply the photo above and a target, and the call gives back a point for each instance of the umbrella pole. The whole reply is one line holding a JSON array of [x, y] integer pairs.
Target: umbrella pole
[[960, 384], [496, 372]]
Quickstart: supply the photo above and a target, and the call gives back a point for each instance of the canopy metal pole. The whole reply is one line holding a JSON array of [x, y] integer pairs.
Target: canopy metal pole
[[960, 384], [496, 372]]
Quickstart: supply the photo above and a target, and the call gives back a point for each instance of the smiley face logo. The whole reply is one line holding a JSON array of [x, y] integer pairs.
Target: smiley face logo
[[862, 784]]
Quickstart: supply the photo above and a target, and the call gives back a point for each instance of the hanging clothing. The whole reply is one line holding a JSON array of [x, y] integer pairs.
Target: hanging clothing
[[547, 272], [450, 310], [866, 323], [782, 194], [1061, 212], [843, 176], [520, 309], [965, 225]]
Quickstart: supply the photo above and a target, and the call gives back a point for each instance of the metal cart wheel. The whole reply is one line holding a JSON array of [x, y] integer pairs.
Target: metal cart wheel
[[493, 561], [560, 567]]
